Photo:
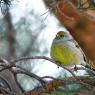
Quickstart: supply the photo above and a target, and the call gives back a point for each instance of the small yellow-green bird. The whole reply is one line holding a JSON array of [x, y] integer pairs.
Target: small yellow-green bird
[[66, 50]]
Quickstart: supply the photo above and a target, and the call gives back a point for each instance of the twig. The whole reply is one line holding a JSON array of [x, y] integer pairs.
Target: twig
[[17, 69], [6, 82], [45, 58], [70, 80], [35, 57], [6, 91], [50, 77], [15, 77], [6, 67], [51, 86], [21, 70]]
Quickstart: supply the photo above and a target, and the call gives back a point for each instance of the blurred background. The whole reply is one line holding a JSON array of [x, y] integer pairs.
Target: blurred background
[[27, 28]]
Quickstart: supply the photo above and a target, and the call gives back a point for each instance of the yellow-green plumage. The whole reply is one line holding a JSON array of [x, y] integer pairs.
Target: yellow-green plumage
[[64, 55], [65, 51]]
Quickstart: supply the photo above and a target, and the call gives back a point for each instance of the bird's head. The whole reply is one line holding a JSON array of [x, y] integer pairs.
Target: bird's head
[[61, 35]]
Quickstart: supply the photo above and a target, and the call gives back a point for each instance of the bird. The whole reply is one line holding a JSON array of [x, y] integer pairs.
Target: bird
[[66, 51]]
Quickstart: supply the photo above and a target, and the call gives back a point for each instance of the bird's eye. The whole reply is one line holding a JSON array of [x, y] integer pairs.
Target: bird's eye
[[61, 35]]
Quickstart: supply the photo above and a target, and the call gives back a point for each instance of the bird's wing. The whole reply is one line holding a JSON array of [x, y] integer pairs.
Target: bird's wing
[[77, 46]]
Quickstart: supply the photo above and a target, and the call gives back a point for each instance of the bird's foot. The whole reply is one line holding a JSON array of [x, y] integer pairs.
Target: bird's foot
[[75, 68]]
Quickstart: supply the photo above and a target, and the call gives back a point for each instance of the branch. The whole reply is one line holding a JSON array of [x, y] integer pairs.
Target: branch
[[51, 86], [45, 58], [45, 86]]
